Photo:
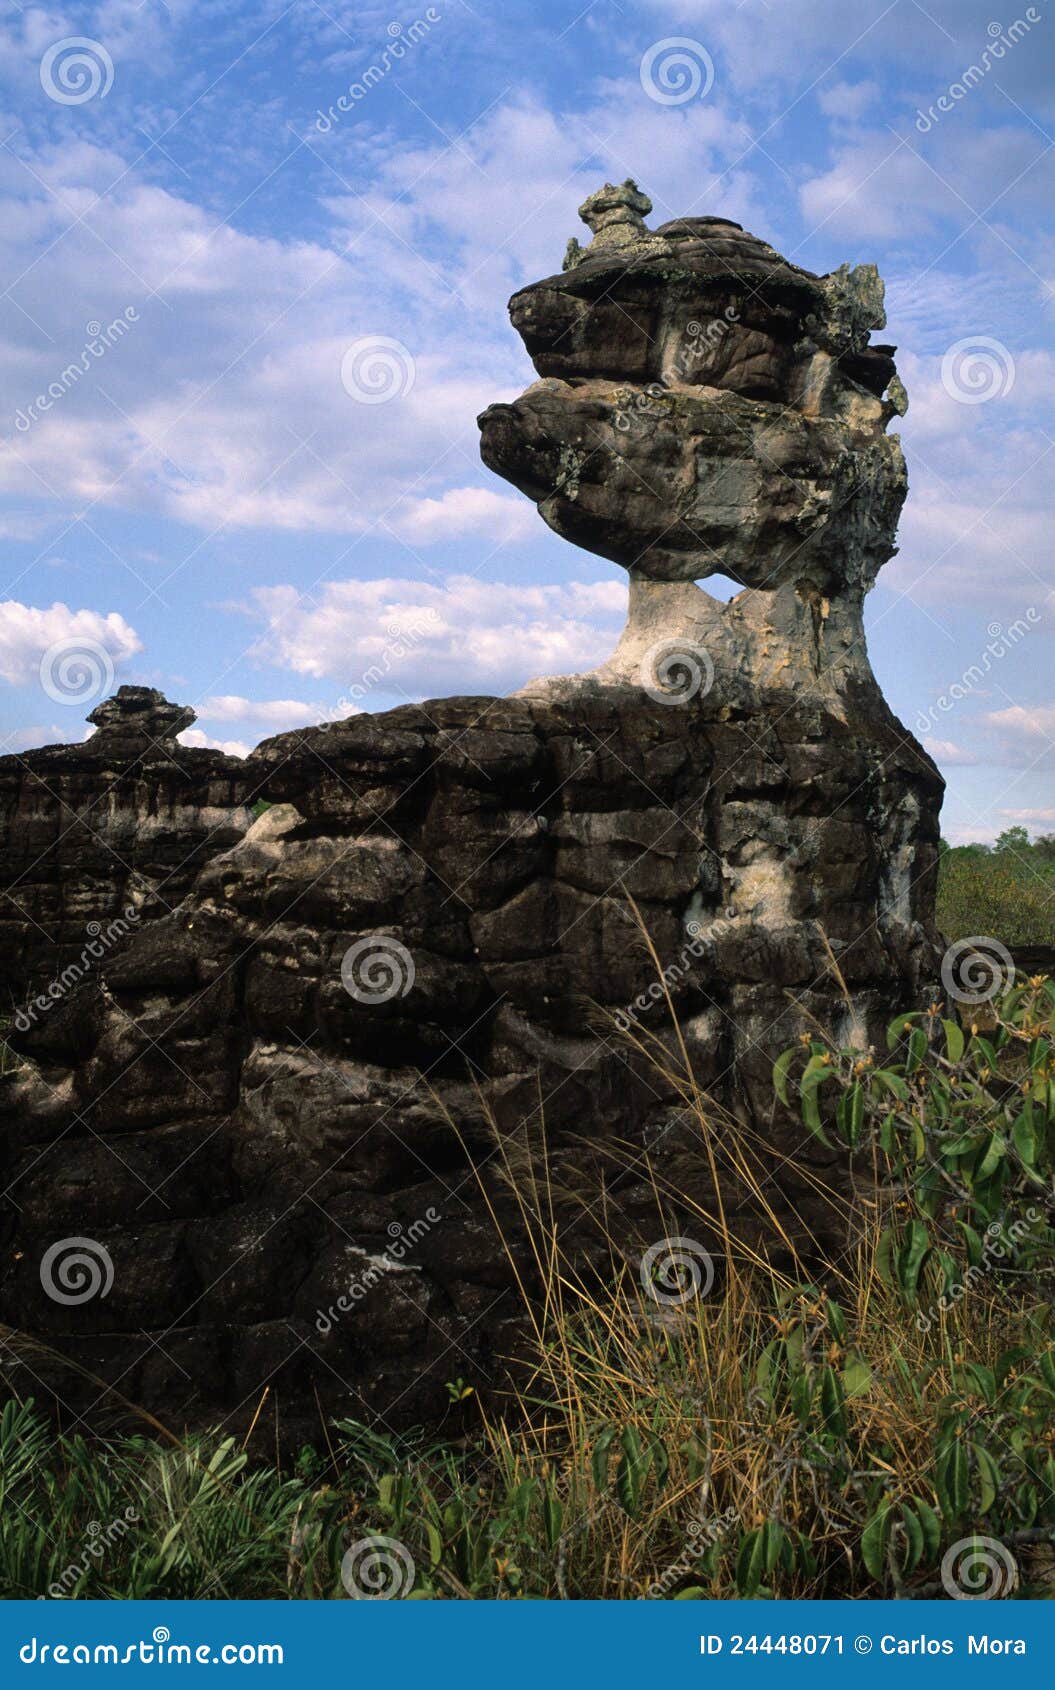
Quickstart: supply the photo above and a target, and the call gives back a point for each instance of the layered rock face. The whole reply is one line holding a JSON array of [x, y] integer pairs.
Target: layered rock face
[[91, 832], [423, 1000]]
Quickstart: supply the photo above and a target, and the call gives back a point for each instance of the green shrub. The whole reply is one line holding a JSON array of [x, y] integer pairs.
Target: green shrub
[[963, 1121], [1007, 893]]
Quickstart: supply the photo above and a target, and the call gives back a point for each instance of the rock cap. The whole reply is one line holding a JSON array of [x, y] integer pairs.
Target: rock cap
[[138, 714]]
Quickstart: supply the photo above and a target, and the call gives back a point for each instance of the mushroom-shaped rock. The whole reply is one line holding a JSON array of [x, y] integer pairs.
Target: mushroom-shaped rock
[[706, 408], [137, 714]]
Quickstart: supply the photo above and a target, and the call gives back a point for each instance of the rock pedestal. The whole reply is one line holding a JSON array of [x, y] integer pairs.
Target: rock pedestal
[[123, 820], [552, 941]]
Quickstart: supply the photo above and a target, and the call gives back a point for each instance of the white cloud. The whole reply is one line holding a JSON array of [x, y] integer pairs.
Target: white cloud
[[26, 739], [23, 525], [761, 43], [26, 633], [415, 639], [947, 753], [280, 712], [266, 715], [466, 510], [1021, 381], [223, 405], [848, 100], [1036, 722], [202, 741], [883, 185]]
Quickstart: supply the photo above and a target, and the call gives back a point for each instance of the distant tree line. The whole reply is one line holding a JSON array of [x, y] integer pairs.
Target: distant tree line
[[1012, 840]]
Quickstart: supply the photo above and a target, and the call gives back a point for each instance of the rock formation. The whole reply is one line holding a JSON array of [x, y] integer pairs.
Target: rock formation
[[706, 408], [87, 832], [287, 1111]]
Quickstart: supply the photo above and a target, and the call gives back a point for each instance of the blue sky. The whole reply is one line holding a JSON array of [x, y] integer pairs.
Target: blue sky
[[223, 506]]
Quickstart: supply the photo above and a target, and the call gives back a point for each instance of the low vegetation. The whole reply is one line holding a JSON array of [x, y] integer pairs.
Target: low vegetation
[[1005, 891]]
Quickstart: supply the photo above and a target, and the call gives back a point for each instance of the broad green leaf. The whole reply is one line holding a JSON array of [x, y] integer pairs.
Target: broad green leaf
[[954, 1480], [911, 1257], [894, 1084], [988, 1477], [552, 1516], [931, 1526], [1024, 1140], [875, 1539], [832, 1406], [781, 1068], [995, 1152], [599, 1457], [914, 1539], [857, 1377], [885, 1257], [917, 1050], [973, 1242], [773, 1540], [750, 1564]]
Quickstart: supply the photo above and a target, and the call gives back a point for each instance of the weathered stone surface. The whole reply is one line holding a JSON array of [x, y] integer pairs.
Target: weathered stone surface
[[425, 968], [88, 832], [708, 408]]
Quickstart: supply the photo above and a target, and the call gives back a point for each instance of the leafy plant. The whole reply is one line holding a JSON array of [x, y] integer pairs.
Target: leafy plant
[[963, 1123]]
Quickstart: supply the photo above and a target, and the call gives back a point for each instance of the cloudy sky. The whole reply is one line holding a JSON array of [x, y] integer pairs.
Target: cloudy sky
[[284, 315]]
